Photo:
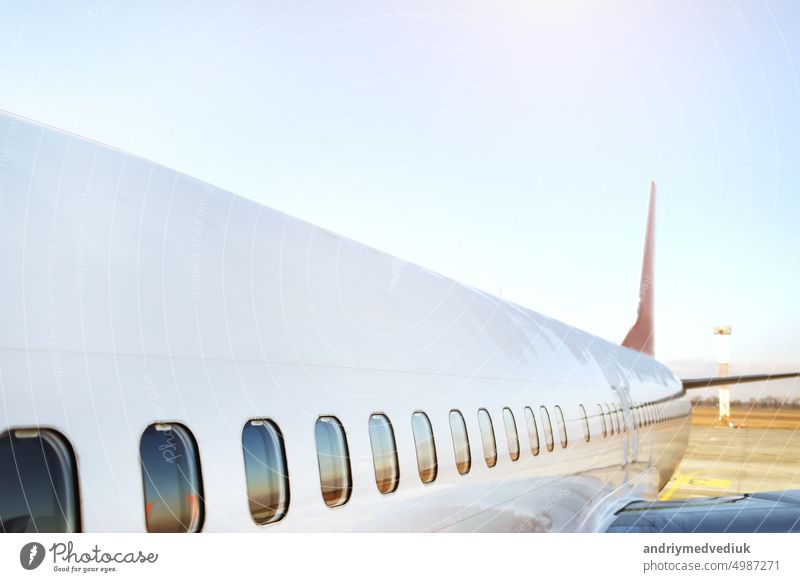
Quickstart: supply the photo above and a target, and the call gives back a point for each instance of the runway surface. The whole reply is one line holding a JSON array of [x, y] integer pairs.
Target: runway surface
[[726, 461]]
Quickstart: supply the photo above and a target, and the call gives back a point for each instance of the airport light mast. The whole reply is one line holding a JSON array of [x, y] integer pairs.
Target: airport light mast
[[723, 359]]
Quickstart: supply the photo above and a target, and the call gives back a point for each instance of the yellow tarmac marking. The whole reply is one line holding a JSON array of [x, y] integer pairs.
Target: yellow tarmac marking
[[681, 479], [678, 480]]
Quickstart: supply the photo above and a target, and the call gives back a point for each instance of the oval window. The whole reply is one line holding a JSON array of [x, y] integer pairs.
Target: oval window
[[587, 435], [511, 433], [384, 453], [38, 483], [487, 437], [548, 428], [458, 430], [265, 471], [533, 431], [562, 427], [425, 445], [173, 488], [333, 458], [603, 426]]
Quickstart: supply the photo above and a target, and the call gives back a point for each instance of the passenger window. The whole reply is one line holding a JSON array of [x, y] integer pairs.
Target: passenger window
[[38, 483], [173, 488], [603, 421], [547, 427], [426, 447], [487, 437], [533, 431], [458, 430], [615, 418], [511, 433], [562, 427], [610, 420], [587, 435], [384, 453], [265, 471], [333, 458]]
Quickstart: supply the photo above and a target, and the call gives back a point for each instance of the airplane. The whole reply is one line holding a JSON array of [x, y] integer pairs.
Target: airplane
[[176, 358]]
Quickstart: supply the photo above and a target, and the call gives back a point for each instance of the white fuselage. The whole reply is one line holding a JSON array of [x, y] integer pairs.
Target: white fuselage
[[133, 294]]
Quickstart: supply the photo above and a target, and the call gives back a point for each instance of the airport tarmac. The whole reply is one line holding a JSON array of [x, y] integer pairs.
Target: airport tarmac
[[727, 461]]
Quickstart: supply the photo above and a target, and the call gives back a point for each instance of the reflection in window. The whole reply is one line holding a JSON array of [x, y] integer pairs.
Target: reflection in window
[[562, 427], [623, 421], [265, 471], [38, 483], [426, 447], [511, 434], [533, 431], [587, 436], [603, 421], [173, 488], [333, 458], [384, 453], [548, 428], [487, 437], [458, 430]]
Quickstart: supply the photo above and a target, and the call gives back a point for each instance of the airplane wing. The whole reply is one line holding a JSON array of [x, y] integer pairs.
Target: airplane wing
[[773, 512], [723, 380]]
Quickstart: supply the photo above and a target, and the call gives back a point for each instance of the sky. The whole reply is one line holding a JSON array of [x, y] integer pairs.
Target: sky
[[505, 144]]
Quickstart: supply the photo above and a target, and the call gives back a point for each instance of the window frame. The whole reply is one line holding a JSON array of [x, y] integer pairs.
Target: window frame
[[273, 428], [465, 446], [395, 462], [334, 420], [562, 427], [68, 467], [511, 439], [435, 469], [491, 433], [547, 424], [587, 433], [603, 421], [530, 417], [185, 434]]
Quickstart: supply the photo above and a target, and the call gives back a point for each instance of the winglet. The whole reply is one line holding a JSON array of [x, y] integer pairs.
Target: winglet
[[641, 336]]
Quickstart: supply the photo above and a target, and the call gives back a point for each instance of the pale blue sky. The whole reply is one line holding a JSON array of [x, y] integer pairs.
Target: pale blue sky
[[505, 144]]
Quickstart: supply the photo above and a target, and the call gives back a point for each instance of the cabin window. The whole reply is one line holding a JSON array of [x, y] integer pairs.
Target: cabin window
[[384, 453], [562, 427], [610, 420], [458, 430], [426, 447], [173, 488], [547, 427], [487, 437], [623, 422], [603, 426], [333, 458], [511, 433], [265, 471], [587, 435], [533, 431], [38, 483], [615, 418]]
